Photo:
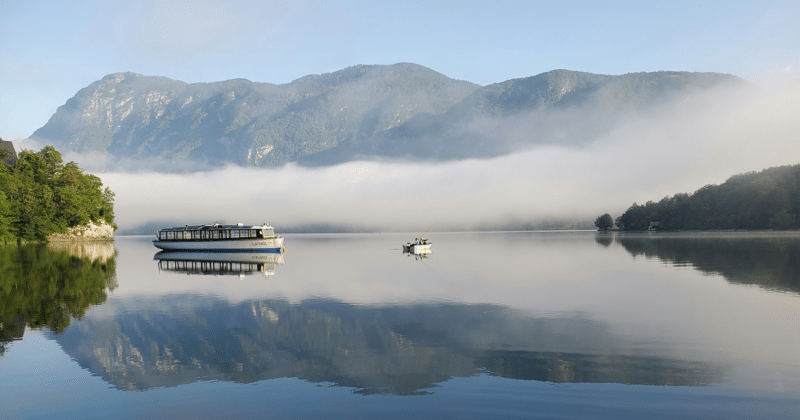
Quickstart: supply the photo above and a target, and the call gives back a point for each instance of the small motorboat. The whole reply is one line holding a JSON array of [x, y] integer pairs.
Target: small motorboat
[[419, 246]]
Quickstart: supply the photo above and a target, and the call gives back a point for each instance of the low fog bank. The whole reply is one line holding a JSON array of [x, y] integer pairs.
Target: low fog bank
[[672, 150]]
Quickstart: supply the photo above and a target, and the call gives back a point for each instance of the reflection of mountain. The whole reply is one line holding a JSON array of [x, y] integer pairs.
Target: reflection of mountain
[[41, 287], [768, 260], [219, 263], [397, 349]]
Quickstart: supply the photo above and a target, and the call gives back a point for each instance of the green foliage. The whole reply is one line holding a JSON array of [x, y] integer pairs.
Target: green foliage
[[769, 199], [39, 196], [604, 222]]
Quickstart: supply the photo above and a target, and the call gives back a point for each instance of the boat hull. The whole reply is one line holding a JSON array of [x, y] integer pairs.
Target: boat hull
[[418, 249], [224, 245]]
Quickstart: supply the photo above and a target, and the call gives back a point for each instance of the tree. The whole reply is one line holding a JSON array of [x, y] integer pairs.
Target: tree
[[604, 222], [782, 221], [6, 219], [39, 196]]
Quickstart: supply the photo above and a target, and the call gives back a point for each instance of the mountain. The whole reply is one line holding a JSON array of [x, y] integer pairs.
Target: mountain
[[396, 111], [558, 107]]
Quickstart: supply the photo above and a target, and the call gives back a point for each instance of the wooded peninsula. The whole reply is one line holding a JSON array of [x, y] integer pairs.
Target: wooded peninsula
[[769, 199], [41, 196]]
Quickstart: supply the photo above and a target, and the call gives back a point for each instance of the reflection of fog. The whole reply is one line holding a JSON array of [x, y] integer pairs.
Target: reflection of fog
[[401, 349], [767, 259], [219, 263]]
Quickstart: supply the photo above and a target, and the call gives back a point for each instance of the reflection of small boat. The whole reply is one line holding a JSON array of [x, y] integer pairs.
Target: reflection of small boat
[[235, 263], [221, 238], [419, 254], [419, 246]]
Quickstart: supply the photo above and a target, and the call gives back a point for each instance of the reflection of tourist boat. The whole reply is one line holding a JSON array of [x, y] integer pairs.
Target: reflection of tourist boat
[[236, 263], [419, 246], [220, 238]]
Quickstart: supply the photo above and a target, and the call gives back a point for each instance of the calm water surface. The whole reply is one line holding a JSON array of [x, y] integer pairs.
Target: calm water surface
[[490, 325]]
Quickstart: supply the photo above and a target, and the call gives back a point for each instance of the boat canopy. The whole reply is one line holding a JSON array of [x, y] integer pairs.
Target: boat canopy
[[214, 227], [215, 232]]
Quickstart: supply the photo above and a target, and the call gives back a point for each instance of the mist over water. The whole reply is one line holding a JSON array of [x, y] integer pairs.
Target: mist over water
[[701, 140]]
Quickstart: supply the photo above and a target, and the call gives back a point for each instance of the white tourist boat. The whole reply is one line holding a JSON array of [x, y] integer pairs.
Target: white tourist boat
[[220, 238]]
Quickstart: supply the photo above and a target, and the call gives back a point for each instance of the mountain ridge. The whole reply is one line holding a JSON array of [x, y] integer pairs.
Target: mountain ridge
[[402, 110]]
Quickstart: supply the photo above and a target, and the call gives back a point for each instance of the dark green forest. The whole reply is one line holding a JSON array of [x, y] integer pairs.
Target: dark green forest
[[769, 199], [40, 195]]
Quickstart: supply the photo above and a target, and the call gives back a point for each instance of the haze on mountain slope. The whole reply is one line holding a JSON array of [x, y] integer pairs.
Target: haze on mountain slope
[[561, 145]]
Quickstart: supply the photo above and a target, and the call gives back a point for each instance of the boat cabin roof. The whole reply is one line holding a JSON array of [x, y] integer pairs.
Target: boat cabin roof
[[215, 227]]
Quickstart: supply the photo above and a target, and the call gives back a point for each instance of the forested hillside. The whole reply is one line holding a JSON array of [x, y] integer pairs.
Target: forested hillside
[[40, 195], [769, 199]]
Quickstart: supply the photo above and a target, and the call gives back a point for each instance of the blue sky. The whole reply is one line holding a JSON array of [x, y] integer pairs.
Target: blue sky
[[51, 49]]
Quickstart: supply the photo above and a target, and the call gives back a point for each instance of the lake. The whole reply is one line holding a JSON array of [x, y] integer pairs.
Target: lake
[[581, 325]]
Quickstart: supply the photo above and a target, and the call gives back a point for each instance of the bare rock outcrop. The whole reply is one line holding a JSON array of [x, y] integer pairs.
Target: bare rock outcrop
[[91, 231]]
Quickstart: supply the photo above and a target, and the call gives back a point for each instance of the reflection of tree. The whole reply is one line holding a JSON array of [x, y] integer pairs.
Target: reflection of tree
[[596, 368], [396, 350], [768, 261], [44, 288], [604, 238], [10, 330]]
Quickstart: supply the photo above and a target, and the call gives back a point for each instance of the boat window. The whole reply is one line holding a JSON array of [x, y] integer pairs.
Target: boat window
[[252, 233], [170, 235], [195, 234], [215, 234], [234, 234], [268, 233]]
